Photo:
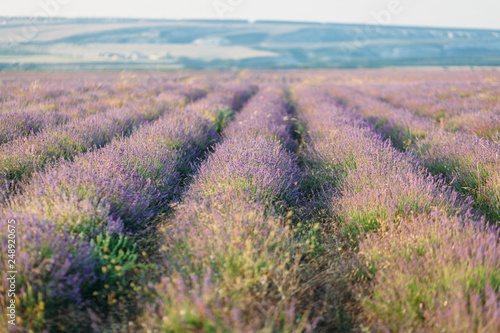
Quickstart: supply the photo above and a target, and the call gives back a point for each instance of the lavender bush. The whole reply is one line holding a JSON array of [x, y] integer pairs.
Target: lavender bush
[[271, 117], [53, 270]]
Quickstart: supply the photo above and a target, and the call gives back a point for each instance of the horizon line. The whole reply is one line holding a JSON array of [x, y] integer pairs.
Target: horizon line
[[277, 21]]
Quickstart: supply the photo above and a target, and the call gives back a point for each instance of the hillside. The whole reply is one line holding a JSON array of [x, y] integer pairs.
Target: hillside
[[159, 44]]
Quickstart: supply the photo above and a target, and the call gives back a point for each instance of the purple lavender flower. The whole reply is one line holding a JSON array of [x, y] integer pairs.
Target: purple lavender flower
[[52, 268]]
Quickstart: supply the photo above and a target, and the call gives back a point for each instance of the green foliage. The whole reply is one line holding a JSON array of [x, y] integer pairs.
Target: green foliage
[[122, 276], [223, 115]]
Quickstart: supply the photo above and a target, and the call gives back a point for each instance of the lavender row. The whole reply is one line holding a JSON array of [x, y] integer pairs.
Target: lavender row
[[426, 256], [376, 183], [470, 106], [29, 108], [231, 264], [469, 163], [107, 196], [23, 123], [21, 157], [269, 118], [76, 94]]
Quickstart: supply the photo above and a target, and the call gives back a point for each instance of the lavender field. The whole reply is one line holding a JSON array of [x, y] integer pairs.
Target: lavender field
[[250, 201]]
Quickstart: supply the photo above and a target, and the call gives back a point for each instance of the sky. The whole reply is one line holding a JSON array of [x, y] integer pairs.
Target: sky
[[435, 13]]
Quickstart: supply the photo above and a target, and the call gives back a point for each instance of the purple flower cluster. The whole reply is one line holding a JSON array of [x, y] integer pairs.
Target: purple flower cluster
[[485, 124], [231, 263], [67, 95], [29, 106], [52, 268], [470, 164], [15, 124], [264, 173], [33, 108]]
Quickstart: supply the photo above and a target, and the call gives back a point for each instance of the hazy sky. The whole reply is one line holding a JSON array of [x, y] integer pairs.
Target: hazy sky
[[443, 13]]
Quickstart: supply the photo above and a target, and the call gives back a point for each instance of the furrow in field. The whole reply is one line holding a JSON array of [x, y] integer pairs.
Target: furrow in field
[[468, 163], [420, 250], [109, 198], [231, 262]]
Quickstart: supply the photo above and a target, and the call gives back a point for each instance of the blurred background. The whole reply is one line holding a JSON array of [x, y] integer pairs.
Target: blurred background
[[244, 34]]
